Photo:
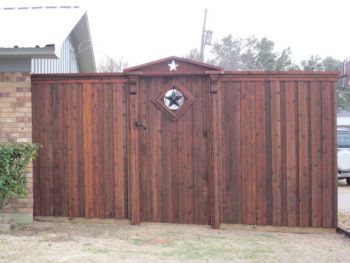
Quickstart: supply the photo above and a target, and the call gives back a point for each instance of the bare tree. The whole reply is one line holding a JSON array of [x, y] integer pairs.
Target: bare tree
[[109, 64]]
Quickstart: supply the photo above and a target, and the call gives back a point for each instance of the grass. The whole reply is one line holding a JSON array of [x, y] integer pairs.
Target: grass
[[65, 242]]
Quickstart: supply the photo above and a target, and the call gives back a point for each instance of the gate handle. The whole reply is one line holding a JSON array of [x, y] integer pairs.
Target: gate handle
[[139, 125]]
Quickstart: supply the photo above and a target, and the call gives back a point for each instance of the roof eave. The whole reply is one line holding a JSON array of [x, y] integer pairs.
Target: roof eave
[[37, 52]]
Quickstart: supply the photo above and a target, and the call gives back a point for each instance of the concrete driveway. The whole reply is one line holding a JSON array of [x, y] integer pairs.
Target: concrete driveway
[[343, 196]]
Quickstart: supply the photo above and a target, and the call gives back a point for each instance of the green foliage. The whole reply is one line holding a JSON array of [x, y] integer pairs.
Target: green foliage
[[329, 63], [194, 54], [259, 54], [251, 54], [14, 158], [316, 63]]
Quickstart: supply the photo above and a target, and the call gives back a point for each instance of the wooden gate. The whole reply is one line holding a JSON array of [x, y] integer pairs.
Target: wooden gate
[[174, 154], [184, 142]]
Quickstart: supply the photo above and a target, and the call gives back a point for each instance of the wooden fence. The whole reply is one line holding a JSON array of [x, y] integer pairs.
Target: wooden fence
[[250, 148]]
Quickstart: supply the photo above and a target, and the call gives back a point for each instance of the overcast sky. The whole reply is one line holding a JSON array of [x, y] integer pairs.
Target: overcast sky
[[141, 31]]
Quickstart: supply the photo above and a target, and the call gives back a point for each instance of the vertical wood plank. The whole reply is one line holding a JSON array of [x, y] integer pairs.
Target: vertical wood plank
[[236, 191], [291, 153], [303, 153], [110, 151], [166, 165], [248, 154], [334, 164], [316, 153], [215, 157], [158, 195], [232, 143], [276, 152], [260, 144], [143, 148], [269, 135], [134, 158], [80, 150], [36, 111], [283, 154], [60, 186], [88, 160], [96, 150], [185, 162], [118, 150], [200, 151], [327, 154], [72, 158], [46, 156]]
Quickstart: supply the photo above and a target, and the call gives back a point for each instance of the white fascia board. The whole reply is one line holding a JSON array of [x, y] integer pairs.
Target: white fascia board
[[45, 52]]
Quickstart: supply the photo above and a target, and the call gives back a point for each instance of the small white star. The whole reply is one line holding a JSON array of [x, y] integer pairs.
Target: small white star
[[173, 66]]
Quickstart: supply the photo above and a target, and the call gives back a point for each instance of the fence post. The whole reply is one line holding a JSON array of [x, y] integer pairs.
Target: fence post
[[134, 180]]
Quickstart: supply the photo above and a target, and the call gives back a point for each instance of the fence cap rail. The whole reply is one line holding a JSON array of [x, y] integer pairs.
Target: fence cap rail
[[222, 75]]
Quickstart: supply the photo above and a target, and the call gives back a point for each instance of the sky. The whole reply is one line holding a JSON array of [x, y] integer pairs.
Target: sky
[[139, 31], [142, 31]]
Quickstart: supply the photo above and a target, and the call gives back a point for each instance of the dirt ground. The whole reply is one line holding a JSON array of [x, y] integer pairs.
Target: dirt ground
[[77, 242], [121, 242], [343, 216]]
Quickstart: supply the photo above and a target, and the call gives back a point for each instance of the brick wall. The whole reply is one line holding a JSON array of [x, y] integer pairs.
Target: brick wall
[[16, 126]]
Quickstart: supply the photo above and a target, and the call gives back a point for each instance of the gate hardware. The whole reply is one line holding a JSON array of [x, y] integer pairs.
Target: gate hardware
[[139, 125]]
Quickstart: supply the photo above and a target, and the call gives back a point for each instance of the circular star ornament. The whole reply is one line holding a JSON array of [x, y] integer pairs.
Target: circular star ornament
[[173, 99]]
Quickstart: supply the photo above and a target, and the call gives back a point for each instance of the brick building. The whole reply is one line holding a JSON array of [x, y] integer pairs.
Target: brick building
[[54, 46]]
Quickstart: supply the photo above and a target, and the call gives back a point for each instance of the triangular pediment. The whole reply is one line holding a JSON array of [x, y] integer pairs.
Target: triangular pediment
[[173, 66]]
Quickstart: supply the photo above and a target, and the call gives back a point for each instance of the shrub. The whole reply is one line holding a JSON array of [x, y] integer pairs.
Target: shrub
[[14, 159]]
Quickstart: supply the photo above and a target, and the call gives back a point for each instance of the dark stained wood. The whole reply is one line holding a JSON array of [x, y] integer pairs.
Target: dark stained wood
[[200, 150], [134, 186], [248, 154], [276, 152], [304, 156], [161, 67], [258, 148], [283, 154], [260, 154], [173, 172], [231, 135], [269, 192], [75, 125], [36, 164], [59, 128], [216, 157], [291, 153], [328, 145], [95, 151], [316, 153], [73, 156], [333, 164], [119, 150], [87, 134]]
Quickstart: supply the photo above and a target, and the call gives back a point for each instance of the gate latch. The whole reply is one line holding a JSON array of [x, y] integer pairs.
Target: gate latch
[[139, 125]]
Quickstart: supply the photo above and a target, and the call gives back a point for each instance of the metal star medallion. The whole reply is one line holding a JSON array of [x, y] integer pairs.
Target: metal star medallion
[[173, 99], [173, 66]]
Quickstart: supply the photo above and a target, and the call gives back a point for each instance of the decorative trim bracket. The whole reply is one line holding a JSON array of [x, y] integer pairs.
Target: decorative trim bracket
[[213, 84], [133, 84]]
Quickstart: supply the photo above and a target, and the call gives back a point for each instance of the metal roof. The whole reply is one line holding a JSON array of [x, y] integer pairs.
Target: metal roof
[[37, 29]]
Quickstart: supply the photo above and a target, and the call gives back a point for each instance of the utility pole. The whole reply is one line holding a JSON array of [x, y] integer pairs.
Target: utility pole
[[203, 35]]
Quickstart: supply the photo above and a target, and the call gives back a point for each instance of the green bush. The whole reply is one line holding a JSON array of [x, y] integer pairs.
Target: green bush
[[14, 159]]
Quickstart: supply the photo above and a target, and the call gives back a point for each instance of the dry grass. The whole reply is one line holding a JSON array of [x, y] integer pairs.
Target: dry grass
[[67, 242], [344, 219], [343, 216]]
